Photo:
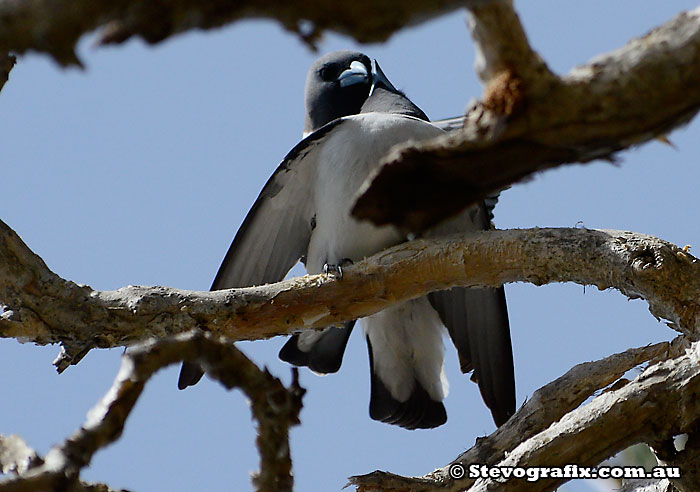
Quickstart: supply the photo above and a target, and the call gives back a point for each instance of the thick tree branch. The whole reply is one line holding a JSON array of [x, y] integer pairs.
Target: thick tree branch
[[43, 308], [274, 407], [54, 26], [502, 45], [531, 120]]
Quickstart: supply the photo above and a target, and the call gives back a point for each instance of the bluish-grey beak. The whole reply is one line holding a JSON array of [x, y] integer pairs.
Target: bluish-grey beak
[[378, 77], [355, 74]]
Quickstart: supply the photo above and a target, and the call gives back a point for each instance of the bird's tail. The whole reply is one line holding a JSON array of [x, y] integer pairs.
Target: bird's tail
[[406, 354], [320, 351]]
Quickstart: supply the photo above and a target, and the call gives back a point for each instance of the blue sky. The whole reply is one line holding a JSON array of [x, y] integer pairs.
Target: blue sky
[[140, 169]]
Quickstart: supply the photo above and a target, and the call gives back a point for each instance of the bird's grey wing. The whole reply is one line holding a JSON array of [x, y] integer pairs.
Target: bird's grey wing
[[274, 234], [277, 229], [477, 320]]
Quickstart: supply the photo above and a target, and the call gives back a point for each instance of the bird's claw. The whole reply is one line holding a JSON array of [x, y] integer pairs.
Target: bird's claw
[[337, 268]]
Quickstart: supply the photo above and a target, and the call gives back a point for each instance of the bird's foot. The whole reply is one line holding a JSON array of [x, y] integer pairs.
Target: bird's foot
[[336, 269]]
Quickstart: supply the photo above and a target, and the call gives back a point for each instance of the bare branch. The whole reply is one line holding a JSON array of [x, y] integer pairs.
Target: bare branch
[[43, 308], [531, 120], [54, 27], [502, 45], [275, 408]]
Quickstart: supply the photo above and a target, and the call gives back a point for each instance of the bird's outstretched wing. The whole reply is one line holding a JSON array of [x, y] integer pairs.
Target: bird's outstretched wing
[[274, 234], [277, 229], [477, 320]]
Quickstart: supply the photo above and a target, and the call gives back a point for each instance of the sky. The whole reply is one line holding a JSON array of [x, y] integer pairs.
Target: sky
[[139, 170]]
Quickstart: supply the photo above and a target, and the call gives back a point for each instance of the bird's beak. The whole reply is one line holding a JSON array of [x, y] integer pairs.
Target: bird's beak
[[355, 74], [378, 78]]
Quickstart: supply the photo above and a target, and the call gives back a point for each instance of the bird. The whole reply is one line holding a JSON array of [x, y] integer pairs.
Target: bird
[[354, 115]]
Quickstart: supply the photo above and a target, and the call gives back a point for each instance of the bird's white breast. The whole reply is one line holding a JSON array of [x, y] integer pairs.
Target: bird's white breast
[[345, 160]]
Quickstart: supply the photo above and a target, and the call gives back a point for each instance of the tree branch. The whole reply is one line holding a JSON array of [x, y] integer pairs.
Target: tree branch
[[275, 408], [502, 45], [660, 403], [41, 307], [530, 120], [54, 26]]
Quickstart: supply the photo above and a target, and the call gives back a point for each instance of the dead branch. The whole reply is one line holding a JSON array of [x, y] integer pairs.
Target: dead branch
[[274, 407], [54, 27], [531, 120], [43, 308]]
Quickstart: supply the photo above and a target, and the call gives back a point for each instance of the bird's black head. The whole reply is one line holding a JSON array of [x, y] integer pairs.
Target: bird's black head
[[337, 85]]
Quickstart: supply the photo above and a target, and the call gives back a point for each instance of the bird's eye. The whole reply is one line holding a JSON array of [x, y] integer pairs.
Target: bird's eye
[[325, 73]]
